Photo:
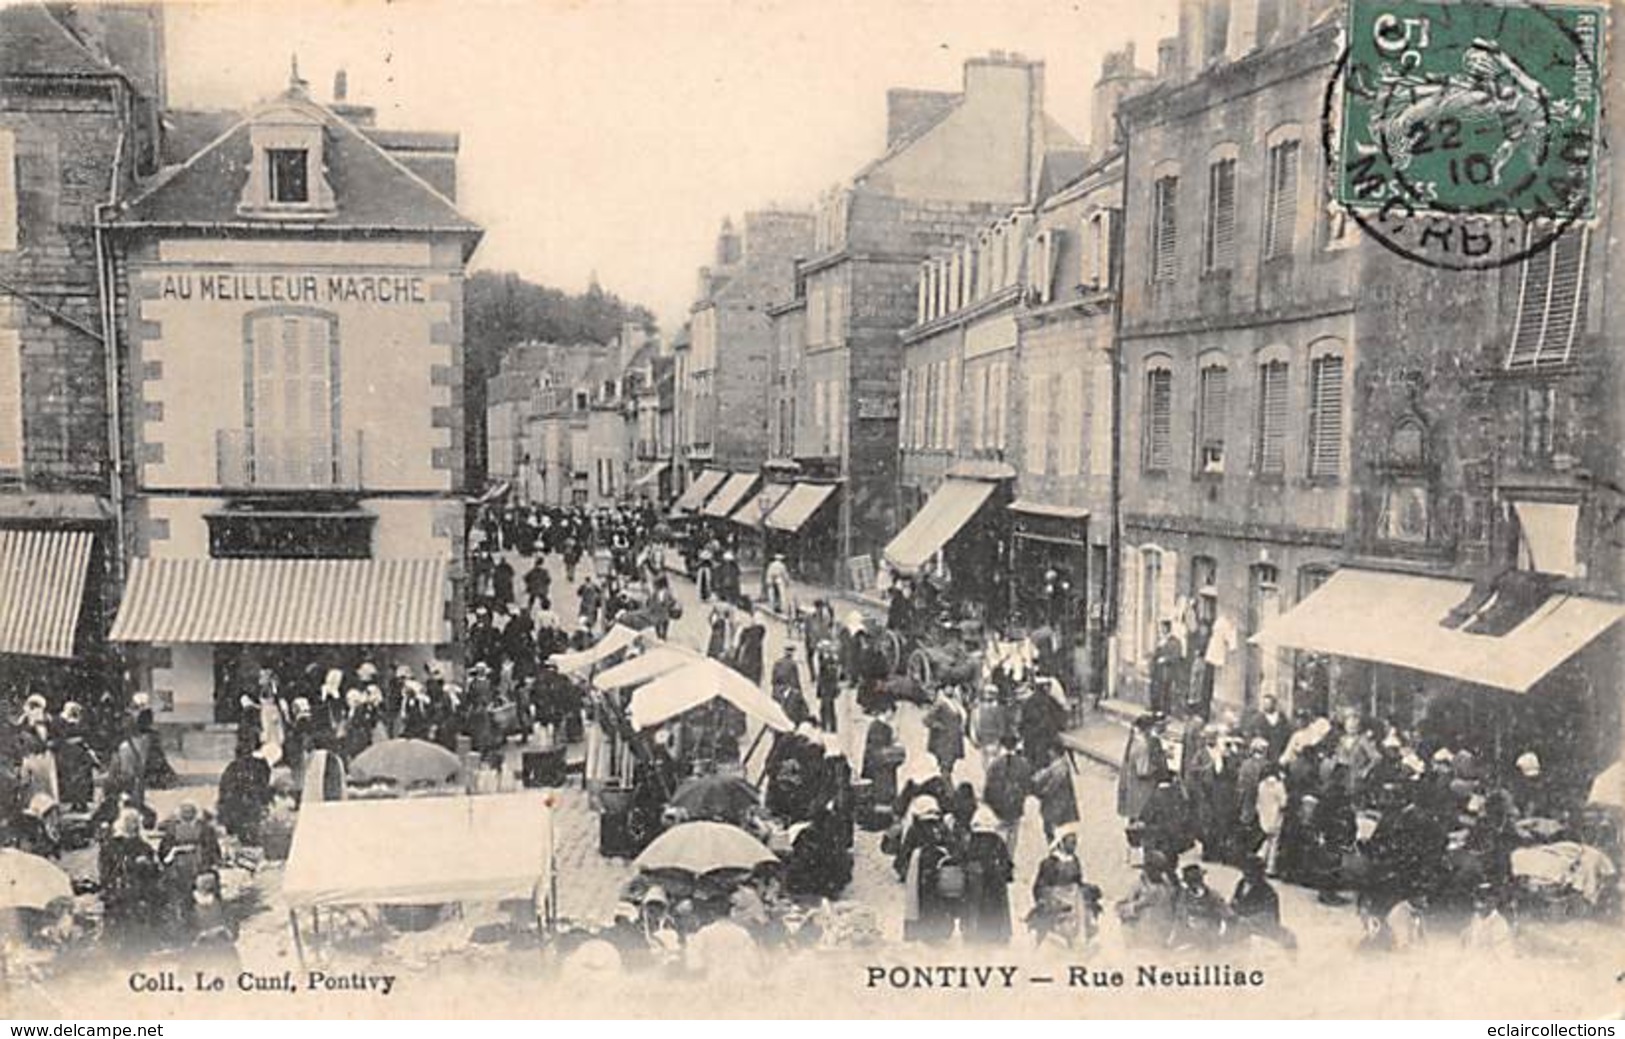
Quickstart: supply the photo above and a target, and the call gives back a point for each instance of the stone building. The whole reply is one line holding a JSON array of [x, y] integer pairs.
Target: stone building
[[290, 332], [576, 427], [509, 398], [80, 91], [952, 163], [1237, 346]]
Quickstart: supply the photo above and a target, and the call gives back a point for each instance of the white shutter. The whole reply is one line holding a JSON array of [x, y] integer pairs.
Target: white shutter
[[11, 400], [1128, 623], [1037, 451], [8, 192], [1088, 272], [950, 399], [1168, 587], [1072, 421], [1106, 248]]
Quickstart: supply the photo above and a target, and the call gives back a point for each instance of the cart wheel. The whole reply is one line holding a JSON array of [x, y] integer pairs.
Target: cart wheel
[[891, 645], [919, 669]]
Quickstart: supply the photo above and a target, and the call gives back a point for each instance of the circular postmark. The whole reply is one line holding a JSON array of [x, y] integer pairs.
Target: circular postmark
[[1463, 135]]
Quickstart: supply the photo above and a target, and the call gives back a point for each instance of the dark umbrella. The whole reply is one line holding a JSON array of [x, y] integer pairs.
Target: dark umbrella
[[721, 798]]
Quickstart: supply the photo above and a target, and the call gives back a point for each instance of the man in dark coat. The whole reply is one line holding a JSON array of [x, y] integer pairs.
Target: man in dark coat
[[786, 682], [828, 684], [245, 794], [1167, 670], [747, 655], [1270, 724], [1057, 800], [1005, 790], [1042, 719]]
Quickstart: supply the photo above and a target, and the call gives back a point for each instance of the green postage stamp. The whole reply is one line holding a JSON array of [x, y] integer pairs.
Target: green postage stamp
[[1471, 108]]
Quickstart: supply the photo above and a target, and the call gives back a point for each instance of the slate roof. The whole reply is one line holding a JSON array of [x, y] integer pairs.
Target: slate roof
[[371, 189], [33, 43]]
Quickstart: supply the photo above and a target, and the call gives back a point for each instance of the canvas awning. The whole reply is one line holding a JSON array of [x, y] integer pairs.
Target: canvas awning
[[421, 851], [799, 505], [733, 492], [1395, 619], [338, 602], [945, 513], [42, 588], [652, 475], [615, 639], [699, 683], [703, 487], [753, 512], [1039, 508], [648, 665]]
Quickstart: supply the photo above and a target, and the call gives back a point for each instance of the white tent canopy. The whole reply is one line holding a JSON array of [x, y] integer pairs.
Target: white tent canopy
[[421, 851], [701, 682], [617, 638], [650, 664]]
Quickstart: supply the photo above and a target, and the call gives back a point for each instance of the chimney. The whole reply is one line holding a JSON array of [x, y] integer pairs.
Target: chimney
[[728, 245], [356, 114], [341, 87], [1118, 78], [1167, 58]]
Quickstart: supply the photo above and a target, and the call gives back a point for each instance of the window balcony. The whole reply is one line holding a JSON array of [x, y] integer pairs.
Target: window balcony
[[274, 461]]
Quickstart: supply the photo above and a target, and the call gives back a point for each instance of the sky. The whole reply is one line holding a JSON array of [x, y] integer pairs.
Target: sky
[[611, 137]]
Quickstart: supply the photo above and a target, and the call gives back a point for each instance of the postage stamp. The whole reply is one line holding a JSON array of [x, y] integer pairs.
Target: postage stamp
[[1469, 109]]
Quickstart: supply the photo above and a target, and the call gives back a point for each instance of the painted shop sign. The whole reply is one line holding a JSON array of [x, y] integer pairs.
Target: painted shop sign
[[286, 287]]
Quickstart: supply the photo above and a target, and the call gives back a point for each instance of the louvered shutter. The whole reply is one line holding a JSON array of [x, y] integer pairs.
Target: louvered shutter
[[1221, 214], [8, 192], [1158, 419], [1212, 405], [1128, 631], [1326, 421], [1281, 200], [1272, 415], [1168, 588], [11, 400], [1165, 229]]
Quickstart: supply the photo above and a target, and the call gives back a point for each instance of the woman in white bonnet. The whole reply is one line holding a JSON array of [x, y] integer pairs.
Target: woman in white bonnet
[[36, 743]]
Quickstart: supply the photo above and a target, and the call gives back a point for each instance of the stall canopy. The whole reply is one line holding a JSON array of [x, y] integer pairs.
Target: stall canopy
[[1398, 619], [284, 601], [651, 476], [753, 512], [615, 639], [799, 505], [42, 586], [702, 488], [733, 492], [420, 851], [699, 683], [945, 513], [650, 664]]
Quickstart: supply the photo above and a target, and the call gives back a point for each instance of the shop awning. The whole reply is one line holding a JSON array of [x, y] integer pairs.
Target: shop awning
[[945, 513], [753, 512], [1038, 508], [338, 602], [1395, 619], [651, 476], [733, 492], [646, 666], [703, 487], [395, 852], [42, 587], [799, 505]]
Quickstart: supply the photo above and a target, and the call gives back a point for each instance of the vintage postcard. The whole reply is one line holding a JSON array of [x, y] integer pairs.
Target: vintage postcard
[[925, 508]]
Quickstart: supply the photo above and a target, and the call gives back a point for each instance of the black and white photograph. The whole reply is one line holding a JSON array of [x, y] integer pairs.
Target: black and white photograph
[[1104, 509]]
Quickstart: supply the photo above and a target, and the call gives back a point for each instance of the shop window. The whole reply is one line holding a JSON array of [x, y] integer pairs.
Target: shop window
[[1156, 434], [1270, 454]]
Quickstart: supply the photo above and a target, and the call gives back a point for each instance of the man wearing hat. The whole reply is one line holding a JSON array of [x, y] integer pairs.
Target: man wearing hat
[[777, 578], [828, 683], [786, 682], [1200, 914]]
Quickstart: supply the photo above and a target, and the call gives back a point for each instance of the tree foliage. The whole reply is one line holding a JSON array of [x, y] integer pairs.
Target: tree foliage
[[501, 309]]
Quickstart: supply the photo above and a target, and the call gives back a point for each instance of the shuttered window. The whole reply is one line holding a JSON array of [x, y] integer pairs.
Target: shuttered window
[[8, 190], [292, 413], [1211, 405], [11, 400], [1281, 199], [1326, 417], [1552, 299], [1071, 418], [1164, 229], [905, 402], [1219, 233], [1272, 404], [950, 404], [1039, 407], [1157, 435]]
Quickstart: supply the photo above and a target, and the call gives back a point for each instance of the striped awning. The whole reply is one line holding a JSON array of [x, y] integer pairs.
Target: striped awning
[[703, 487], [798, 506], [944, 514], [345, 602], [42, 588], [754, 512], [733, 492]]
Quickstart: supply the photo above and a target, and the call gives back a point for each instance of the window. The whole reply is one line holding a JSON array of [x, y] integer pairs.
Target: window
[[1150, 597], [1326, 417], [8, 190], [288, 172], [1071, 418], [837, 418], [581, 400], [1156, 433], [1212, 403], [905, 404], [1219, 233], [999, 411], [1270, 458], [1281, 200], [1537, 440], [1552, 296], [1041, 266], [1096, 251], [11, 401], [291, 400], [1205, 588], [1164, 229], [1039, 408]]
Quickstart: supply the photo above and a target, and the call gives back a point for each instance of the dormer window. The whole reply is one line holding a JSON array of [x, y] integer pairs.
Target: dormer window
[[287, 173]]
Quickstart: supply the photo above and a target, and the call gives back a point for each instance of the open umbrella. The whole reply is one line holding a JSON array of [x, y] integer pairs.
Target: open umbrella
[[717, 797], [1608, 789], [406, 762], [650, 664], [30, 882], [702, 847], [699, 683]]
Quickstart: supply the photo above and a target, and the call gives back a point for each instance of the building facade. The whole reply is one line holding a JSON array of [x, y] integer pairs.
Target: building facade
[[1237, 350], [290, 305], [80, 93]]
